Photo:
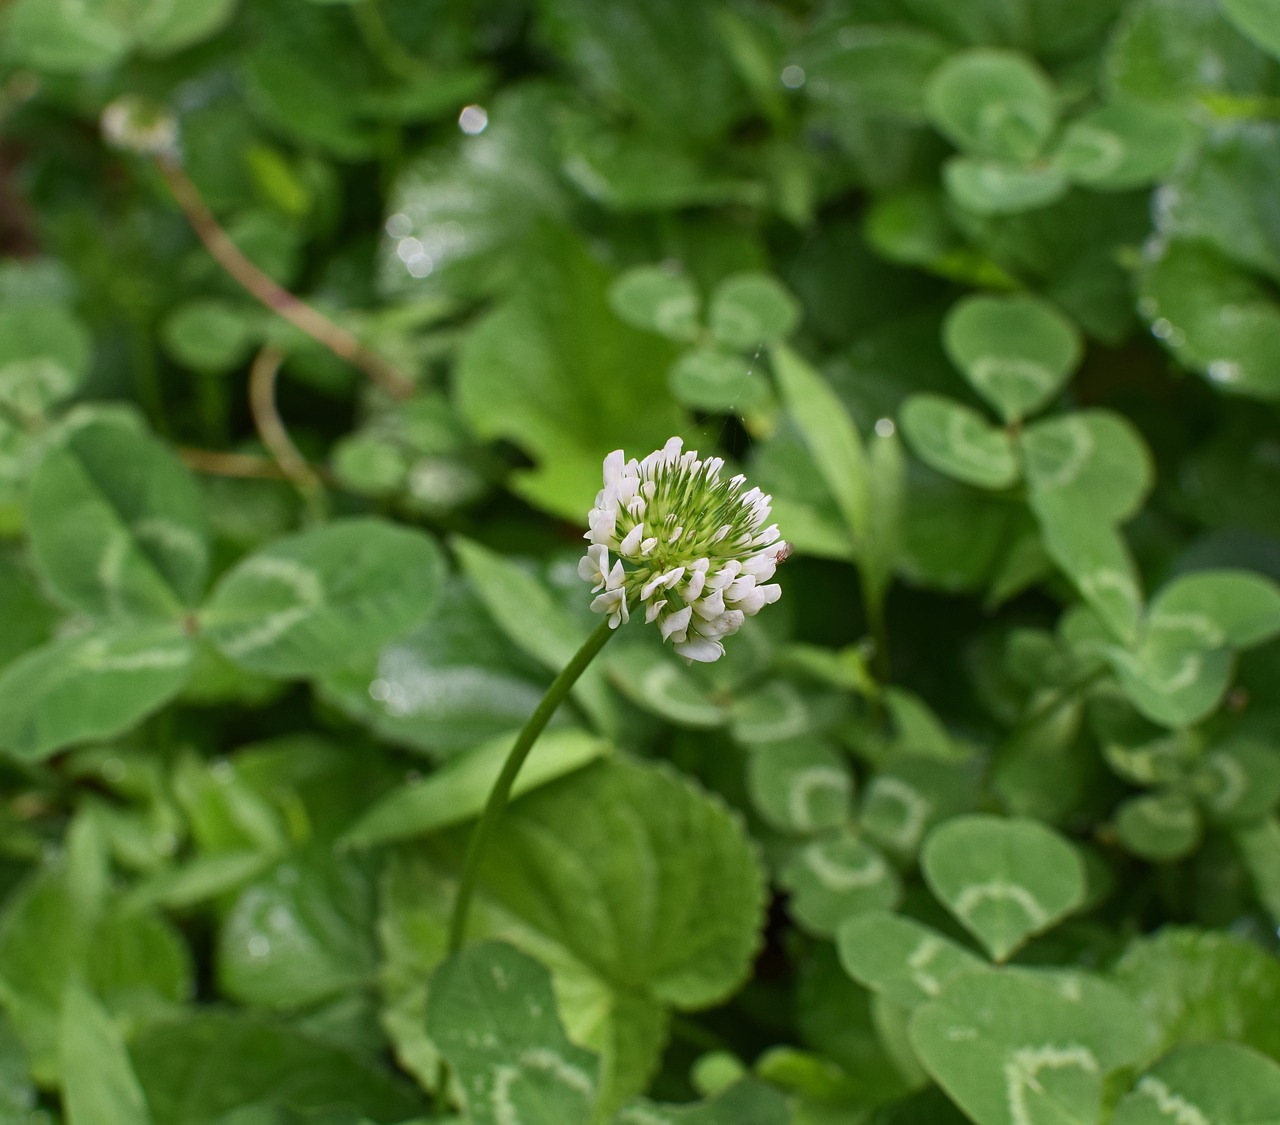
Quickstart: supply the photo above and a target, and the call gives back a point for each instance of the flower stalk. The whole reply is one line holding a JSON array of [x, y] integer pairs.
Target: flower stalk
[[501, 791]]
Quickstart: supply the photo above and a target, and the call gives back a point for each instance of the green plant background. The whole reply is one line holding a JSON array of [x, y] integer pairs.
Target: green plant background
[[978, 823]]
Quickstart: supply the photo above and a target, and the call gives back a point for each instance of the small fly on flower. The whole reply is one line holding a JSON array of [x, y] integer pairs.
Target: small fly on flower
[[781, 556]]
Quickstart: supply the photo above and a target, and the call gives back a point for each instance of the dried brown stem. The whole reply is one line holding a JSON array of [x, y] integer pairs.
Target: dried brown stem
[[274, 296], [218, 464], [266, 419]]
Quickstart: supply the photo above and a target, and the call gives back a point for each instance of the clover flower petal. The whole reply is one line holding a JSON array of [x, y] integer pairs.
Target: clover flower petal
[[689, 546]]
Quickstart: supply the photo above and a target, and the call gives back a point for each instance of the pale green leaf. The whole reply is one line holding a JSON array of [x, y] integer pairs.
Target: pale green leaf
[[657, 299], [1005, 880], [492, 1014], [1215, 317], [1226, 607], [1158, 826], [44, 357], [526, 612], [1017, 352], [1012, 1047], [318, 600], [457, 791], [99, 1086], [836, 877], [717, 381], [992, 103], [1197, 985], [1258, 19], [92, 685], [116, 522], [749, 310], [899, 957], [1219, 1082], [830, 434], [958, 441], [800, 786], [1119, 147]]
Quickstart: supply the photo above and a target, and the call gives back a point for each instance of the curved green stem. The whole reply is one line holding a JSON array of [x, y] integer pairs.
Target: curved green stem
[[500, 794], [501, 791]]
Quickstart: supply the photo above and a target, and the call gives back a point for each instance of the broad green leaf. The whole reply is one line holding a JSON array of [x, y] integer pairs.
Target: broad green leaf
[[830, 435], [1017, 352], [66, 36], [1182, 665], [492, 1014], [879, 69], [454, 681], [835, 877], [1221, 197], [1225, 607], [457, 791], [1219, 1082], [1017, 1048], [93, 685], [898, 956], [99, 1086], [749, 310], [526, 612], [657, 299], [1158, 826], [1199, 985], [992, 187], [1173, 676], [465, 222], [1177, 51], [664, 913], [958, 441], [1119, 147], [301, 933], [1005, 880], [117, 527], [664, 63], [992, 103], [492, 1011], [799, 786], [1214, 316], [44, 357], [1096, 559], [210, 335], [1238, 783], [719, 382], [198, 1067], [1086, 472], [552, 369], [1258, 19], [315, 601], [167, 26], [629, 172]]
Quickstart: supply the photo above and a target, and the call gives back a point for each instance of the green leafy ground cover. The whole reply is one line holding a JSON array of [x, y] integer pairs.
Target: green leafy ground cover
[[979, 822]]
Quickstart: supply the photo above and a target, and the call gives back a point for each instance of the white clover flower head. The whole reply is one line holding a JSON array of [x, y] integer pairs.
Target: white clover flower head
[[688, 546]]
